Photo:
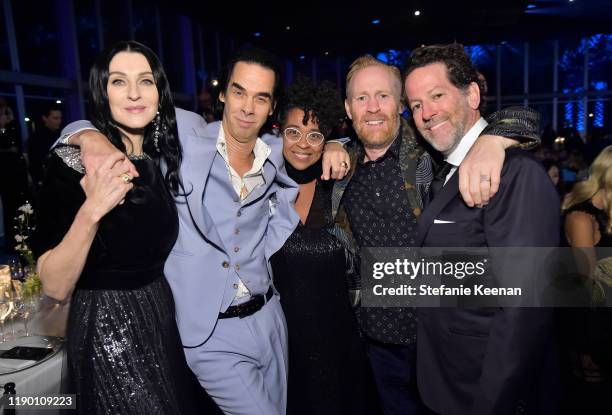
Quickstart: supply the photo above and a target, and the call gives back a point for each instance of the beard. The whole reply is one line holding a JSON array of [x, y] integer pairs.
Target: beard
[[448, 143], [378, 138]]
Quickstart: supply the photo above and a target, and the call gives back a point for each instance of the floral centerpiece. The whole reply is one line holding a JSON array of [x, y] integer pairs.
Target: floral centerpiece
[[24, 228]]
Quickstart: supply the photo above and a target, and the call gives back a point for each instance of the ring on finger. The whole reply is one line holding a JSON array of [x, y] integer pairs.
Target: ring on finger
[[344, 164], [484, 178], [126, 178]]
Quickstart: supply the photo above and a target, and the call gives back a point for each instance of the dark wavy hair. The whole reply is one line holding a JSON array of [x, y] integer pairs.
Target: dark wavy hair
[[321, 102], [459, 67], [100, 114]]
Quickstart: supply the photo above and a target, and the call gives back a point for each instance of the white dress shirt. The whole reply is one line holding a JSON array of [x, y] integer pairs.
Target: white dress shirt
[[456, 157]]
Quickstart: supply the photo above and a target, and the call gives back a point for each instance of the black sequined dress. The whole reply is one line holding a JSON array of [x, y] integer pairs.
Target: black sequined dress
[[327, 362], [124, 350]]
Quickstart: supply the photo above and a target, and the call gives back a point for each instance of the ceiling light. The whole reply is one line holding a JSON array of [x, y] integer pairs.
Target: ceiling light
[[376, 21], [27, 119], [287, 27], [59, 101], [417, 12], [257, 34], [590, 114]]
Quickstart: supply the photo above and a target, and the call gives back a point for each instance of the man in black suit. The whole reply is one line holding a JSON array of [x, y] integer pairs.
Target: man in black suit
[[478, 360]]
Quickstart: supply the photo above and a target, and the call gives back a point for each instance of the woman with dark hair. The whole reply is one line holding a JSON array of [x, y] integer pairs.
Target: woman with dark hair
[[103, 237], [327, 363]]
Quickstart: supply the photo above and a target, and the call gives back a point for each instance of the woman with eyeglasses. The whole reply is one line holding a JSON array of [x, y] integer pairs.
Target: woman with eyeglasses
[[327, 364]]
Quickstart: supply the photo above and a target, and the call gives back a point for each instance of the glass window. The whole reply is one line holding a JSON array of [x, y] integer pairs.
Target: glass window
[[5, 55], [541, 66], [87, 30], [485, 59], [570, 114], [172, 49], [571, 66], [512, 68], [600, 62], [36, 101], [599, 115], [115, 20], [36, 26]]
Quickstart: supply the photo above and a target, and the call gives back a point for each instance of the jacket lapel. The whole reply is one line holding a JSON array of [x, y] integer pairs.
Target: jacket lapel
[[199, 156], [449, 192]]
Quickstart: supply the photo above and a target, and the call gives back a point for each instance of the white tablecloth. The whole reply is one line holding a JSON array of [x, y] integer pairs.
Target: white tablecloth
[[44, 378]]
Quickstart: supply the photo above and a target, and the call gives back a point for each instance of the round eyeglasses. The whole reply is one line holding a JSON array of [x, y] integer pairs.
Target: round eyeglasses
[[314, 138]]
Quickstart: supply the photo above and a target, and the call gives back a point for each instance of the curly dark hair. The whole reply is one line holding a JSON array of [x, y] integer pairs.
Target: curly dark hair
[[321, 102], [460, 69]]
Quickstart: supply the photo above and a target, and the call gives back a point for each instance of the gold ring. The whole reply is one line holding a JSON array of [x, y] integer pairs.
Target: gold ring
[[126, 178], [344, 164]]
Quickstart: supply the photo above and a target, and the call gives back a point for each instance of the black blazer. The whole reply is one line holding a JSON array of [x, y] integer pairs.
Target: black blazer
[[489, 360]]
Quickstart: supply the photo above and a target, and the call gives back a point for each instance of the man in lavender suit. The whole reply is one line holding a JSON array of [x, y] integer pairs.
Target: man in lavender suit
[[237, 212]]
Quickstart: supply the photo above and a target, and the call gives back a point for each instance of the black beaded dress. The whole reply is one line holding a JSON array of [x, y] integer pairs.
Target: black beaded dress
[[124, 351], [328, 368]]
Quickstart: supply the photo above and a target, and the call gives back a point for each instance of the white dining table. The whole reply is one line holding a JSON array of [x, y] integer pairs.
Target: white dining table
[[46, 376]]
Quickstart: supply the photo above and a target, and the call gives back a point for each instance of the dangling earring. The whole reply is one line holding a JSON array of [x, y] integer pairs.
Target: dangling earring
[[156, 132]]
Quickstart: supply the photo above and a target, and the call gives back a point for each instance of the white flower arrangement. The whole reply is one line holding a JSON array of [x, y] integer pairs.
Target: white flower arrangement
[[23, 233]]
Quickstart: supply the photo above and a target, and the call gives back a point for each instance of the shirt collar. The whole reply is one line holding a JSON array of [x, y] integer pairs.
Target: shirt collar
[[456, 157], [261, 151]]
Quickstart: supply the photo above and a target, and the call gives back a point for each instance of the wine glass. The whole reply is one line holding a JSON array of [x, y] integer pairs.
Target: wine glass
[[24, 306], [6, 305]]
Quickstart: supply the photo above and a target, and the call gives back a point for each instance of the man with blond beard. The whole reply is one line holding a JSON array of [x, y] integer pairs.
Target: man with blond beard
[[378, 205]]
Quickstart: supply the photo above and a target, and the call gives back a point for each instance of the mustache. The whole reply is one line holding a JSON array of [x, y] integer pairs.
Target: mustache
[[433, 122]]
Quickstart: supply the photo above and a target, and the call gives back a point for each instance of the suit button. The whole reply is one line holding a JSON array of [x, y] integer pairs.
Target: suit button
[[236, 248], [225, 264], [239, 214], [237, 267], [237, 231], [235, 286]]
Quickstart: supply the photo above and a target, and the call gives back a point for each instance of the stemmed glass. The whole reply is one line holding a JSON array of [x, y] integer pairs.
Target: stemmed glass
[[6, 305], [24, 305]]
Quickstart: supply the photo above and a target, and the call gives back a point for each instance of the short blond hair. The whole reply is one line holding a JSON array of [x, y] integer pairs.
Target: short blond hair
[[366, 61]]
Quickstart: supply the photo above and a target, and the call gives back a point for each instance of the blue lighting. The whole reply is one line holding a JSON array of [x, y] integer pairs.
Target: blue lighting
[[600, 85], [598, 120], [376, 21], [531, 6], [257, 34], [382, 56], [569, 112], [580, 113], [302, 57]]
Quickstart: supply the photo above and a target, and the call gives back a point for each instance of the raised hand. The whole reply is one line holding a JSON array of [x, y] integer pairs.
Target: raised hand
[[106, 186]]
